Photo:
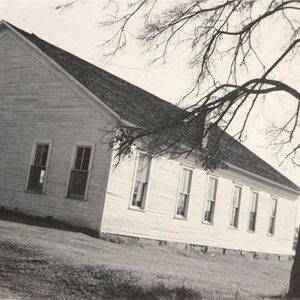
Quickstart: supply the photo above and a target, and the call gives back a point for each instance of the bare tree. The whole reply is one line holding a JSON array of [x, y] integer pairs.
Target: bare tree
[[213, 31], [227, 31]]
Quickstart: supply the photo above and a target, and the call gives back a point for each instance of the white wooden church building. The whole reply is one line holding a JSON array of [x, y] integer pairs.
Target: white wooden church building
[[55, 162]]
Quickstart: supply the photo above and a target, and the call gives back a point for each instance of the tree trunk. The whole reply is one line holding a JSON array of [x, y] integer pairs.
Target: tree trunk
[[294, 289]]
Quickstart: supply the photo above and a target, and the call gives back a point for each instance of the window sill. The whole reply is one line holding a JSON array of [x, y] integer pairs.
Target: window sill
[[136, 208], [179, 217], [251, 231], [270, 234], [233, 228], [208, 223], [76, 199], [34, 192]]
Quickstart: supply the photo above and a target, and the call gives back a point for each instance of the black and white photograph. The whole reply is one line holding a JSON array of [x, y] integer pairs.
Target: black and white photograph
[[149, 149]]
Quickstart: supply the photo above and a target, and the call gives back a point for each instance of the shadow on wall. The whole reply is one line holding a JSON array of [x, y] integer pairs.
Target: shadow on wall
[[16, 216]]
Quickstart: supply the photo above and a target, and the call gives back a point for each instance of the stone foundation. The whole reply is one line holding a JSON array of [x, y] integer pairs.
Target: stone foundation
[[182, 248], [192, 248]]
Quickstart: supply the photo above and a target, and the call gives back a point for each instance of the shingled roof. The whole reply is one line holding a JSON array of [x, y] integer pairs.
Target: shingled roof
[[130, 102], [142, 108]]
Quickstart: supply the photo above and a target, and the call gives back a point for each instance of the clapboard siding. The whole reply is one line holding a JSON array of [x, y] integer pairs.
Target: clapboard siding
[[37, 102], [158, 221]]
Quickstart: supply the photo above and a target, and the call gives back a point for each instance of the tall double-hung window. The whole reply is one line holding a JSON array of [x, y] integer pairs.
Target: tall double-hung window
[[210, 202], [141, 180], [184, 192], [38, 167], [236, 204], [79, 173], [272, 218], [253, 211]]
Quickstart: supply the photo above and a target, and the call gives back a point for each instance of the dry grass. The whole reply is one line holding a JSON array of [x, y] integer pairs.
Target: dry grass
[[43, 263], [31, 275]]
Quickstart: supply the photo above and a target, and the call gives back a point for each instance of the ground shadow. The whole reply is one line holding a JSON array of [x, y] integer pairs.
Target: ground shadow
[[48, 222]]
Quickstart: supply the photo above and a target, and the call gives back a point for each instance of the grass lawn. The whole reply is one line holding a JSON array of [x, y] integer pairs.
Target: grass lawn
[[44, 263]]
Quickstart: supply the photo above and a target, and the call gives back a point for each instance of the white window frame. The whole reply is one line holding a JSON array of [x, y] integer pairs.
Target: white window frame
[[75, 146], [209, 176], [271, 215], [35, 143], [144, 201], [236, 207], [177, 216], [256, 210]]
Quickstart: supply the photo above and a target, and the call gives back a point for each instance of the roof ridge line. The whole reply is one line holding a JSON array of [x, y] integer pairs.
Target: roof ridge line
[[125, 99]]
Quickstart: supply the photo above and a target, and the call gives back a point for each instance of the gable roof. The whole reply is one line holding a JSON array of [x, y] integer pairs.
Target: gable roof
[[142, 108], [241, 157], [127, 100]]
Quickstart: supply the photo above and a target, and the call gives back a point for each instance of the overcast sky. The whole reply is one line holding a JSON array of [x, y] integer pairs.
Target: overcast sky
[[76, 31]]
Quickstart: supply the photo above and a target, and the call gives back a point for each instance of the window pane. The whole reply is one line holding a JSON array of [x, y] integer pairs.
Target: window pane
[[79, 152], [185, 181], [78, 158], [37, 170], [274, 206], [135, 199], [42, 176], [85, 164], [182, 203], [41, 153], [79, 174], [138, 194], [253, 203], [211, 198], [38, 151], [234, 217], [82, 158], [209, 206], [141, 180], [272, 225], [184, 189], [77, 184], [209, 211], [273, 216], [142, 168], [236, 196], [77, 164], [87, 153], [212, 188], [252, 211], [44, 154], [252, 221], [208, 216], [36, 179]]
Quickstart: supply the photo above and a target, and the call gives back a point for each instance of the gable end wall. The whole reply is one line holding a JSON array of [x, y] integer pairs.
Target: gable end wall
[[37, 102]]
